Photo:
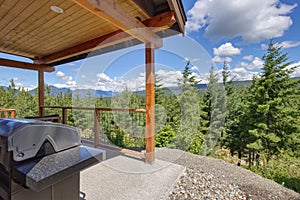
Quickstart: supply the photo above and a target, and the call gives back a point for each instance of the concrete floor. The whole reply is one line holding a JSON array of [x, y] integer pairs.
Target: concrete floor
[[122, 177]]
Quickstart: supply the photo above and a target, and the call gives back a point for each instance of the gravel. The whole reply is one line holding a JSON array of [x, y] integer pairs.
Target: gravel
[[195, 184], [209, 178]]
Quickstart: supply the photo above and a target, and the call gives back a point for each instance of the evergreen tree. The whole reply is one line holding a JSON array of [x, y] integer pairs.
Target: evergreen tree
[[215, 100], [274, 106], [160, 111], [189, 136], [237, 122]]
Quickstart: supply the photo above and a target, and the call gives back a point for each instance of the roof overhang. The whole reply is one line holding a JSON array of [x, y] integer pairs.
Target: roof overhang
[[30, 29]]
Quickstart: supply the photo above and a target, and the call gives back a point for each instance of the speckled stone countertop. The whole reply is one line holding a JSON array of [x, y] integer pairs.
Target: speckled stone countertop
[[40, 174]]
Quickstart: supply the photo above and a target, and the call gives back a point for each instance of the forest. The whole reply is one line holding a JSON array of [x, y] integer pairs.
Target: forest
[[255, 126]]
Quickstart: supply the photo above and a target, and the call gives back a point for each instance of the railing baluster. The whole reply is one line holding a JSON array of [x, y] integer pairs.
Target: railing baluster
[[13, 114], [96, 127], [7, 113], [97, 124]]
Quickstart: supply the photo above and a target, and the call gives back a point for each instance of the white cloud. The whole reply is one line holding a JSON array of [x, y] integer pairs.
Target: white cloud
[[30, 87], [253, 20], [296, 73], [191, 59], [68, 81], [103, 78], [284, 45], [256, 64], [68, 78], [226, 50], [249, 57], [60, 74], [169, 78], [218, 59], [287, 44], [241, 74]]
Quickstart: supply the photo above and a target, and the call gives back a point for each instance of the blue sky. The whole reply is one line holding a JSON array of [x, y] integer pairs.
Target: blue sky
[[217, 30]]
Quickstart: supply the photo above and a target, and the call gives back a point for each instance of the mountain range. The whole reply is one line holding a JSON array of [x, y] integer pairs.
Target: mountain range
[[100, 93]]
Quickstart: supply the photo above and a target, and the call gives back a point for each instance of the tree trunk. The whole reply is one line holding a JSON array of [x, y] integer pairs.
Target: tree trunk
[[240, 157]]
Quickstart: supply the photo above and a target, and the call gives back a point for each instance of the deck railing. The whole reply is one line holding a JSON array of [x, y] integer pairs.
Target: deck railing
[[98, 117], [7, 113]]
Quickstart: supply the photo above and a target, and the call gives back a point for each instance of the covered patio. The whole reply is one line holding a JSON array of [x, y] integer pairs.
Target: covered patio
[[51, 33]]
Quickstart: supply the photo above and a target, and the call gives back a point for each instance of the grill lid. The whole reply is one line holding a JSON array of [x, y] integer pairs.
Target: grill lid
[[25, 137]]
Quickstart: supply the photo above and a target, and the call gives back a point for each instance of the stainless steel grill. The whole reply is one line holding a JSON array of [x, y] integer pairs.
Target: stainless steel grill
[[37, 155]]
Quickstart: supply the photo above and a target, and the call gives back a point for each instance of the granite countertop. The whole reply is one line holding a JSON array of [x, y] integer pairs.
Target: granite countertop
[[41, 173]]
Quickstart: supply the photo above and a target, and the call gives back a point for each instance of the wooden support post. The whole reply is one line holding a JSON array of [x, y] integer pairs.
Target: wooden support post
[[96, 128], [64, 116], [13, 114], [150, 103], [6, 114], [41, 92]]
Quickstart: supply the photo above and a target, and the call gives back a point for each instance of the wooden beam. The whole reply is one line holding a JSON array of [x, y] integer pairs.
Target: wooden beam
[[113, 13], [157, 23], [150, 104], [179, 13], [41, 92], [24, 65]]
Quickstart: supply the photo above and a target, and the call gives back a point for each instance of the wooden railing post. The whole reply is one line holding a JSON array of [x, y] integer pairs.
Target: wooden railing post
[[6, 114], [64, 115], [150, 103], [13, 114], [96, 127]]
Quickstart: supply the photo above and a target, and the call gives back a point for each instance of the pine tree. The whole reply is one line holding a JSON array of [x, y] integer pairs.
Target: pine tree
[[189, 136], [274, 112], [215, 100]]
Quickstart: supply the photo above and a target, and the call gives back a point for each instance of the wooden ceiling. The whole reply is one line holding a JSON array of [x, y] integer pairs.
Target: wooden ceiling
[[29, 28]]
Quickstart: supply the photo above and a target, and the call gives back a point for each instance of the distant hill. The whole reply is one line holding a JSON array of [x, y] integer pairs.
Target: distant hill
[[82, 92], [100, 93]]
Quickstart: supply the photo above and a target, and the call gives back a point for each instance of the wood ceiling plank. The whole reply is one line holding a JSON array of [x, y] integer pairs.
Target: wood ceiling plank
[[56, 18], [13, 13], [24, 65], [56, 32], [160, 22], [76, 38], [6, 6], [113, 13], [132, 8], [146, 14], [22, 16], [145, 6], [41, 44], [48, 34], [36, 20], [75, 35]]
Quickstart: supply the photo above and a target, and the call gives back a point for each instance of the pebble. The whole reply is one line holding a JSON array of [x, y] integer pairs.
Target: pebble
[[196, 184]]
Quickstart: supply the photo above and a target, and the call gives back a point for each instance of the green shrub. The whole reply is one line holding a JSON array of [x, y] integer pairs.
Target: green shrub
[[283, 169], [164, 136]]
